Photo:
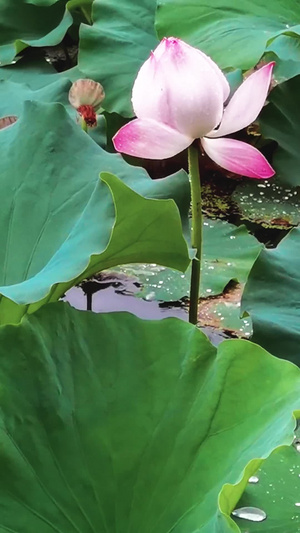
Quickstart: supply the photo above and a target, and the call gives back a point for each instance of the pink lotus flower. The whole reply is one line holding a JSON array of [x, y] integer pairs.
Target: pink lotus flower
[[179, 95]]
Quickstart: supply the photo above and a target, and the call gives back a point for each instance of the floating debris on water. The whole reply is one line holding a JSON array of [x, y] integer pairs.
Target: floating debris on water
[[272, 207]]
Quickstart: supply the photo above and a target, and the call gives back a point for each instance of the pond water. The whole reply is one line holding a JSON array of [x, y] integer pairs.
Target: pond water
[[114, 294]]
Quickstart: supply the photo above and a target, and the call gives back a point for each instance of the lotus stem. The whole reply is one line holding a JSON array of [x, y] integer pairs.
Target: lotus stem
[[83, 125], [193, 161]]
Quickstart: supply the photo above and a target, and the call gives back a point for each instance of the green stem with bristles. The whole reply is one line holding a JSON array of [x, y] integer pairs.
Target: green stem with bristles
[[193, 160], [83, 125]]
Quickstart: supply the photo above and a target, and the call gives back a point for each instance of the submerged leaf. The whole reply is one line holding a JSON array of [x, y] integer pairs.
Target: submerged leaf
[[268, 204], [228, 254]]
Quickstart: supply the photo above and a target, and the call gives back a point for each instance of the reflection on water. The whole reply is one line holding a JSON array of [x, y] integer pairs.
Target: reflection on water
[[108, 299], [113, 295]]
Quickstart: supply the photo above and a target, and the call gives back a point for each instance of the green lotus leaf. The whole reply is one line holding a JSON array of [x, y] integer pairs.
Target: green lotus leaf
[[233, 34], [280, 121], [13, 95], [26, 24], [271, 297], [286, 46], [113, 49], [60, 223], [111, 423], [41, 2], [228, 254], [36, 73], [276, 491], [73, 3], [285, 69], [284, 50]]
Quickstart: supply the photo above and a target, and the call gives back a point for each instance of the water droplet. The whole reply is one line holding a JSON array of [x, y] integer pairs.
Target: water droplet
[[208, 290], [253, 479], [232, 236], [250, 513], [150, 296], [297, 504]]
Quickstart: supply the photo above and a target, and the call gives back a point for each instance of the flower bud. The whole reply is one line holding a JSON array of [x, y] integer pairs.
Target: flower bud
[[86, 97]]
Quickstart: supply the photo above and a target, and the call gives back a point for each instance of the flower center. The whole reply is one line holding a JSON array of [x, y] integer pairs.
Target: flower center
[[88, 114]]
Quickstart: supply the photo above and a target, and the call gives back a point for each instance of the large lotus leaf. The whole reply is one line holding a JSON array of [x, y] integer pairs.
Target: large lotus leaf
[[271, 297], [286, 46], [228, 254], [285, 51], [280, 120], [13, 95], [277, 492], [111, 423], [36, 73], [70, 3], [113, 49], [58, 220], [23, 24], [285, 69], [235, 34], [41, 2]]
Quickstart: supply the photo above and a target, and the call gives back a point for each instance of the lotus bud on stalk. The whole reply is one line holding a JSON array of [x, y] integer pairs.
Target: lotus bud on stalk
[[86, 97], [180, 98]]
